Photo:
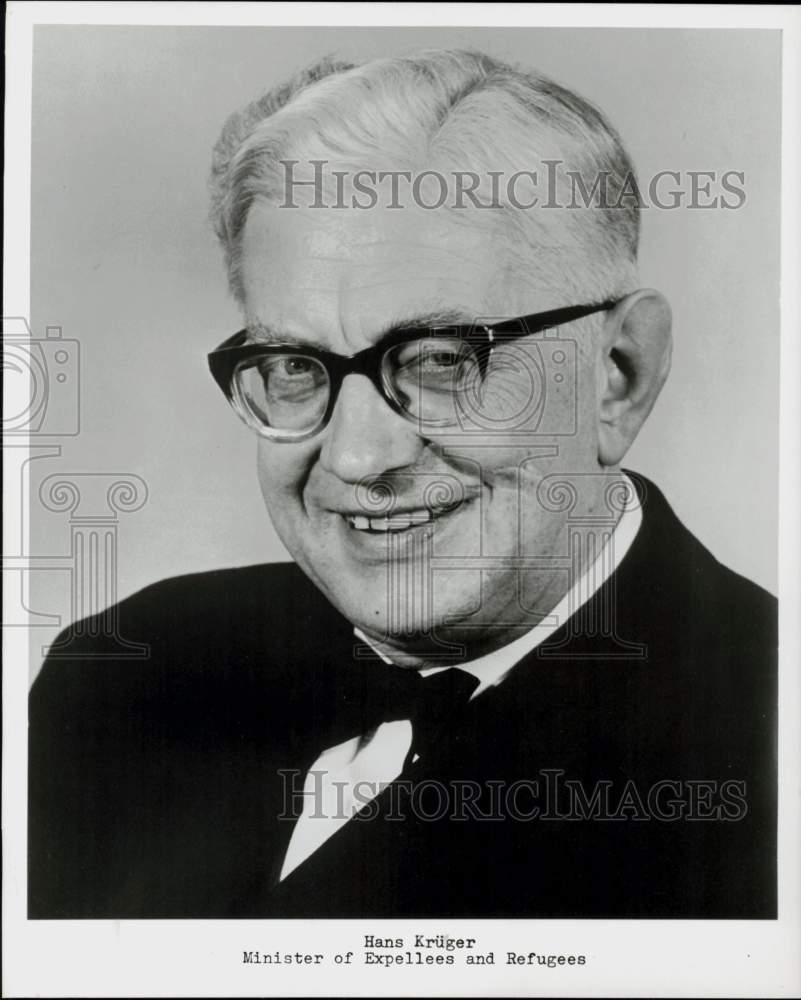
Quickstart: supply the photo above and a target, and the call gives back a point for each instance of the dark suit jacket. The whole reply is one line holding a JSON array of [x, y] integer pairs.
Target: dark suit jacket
[[156, 785]]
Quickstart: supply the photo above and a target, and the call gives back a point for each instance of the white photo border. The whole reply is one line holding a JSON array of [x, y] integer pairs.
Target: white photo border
[[204, 958]]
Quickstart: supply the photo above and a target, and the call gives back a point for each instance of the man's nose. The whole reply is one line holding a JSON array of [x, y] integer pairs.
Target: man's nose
[[364, 436]]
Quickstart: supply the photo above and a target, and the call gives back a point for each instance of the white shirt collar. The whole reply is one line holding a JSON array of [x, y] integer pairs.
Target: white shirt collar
[[494, 667]]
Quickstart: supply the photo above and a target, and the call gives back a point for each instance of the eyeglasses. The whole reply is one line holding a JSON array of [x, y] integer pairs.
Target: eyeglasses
[[437, 377]]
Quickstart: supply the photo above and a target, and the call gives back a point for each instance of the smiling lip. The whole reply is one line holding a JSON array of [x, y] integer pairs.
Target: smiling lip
[[400, 520]]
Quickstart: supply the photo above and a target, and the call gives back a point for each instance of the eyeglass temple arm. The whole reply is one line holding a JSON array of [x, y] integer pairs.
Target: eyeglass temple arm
[[536, 322]]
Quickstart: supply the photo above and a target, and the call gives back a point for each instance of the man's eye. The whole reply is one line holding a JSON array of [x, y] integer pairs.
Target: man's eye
[[295, 366], [288, 368], [291, 377], [431, 355], [442, 359]]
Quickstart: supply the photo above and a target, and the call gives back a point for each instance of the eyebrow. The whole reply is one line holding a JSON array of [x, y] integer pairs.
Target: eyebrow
[[265, 333], [423, 321]]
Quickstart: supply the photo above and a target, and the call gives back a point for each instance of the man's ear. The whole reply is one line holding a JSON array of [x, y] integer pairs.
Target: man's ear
[[632, 368]]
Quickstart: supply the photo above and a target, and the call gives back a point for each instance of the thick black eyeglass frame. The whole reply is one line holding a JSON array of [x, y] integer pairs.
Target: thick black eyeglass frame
[[226, 359]]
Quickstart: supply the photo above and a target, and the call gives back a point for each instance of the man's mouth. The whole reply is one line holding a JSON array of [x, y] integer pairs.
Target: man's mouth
[[399, 521]]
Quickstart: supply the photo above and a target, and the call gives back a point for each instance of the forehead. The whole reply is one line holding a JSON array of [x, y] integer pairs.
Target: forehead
[[340, 278]]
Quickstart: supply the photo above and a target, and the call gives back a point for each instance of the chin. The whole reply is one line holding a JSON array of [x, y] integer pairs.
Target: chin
[[451, 619]]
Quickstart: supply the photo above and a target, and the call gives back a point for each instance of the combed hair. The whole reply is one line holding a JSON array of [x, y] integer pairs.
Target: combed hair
[[437, 107]]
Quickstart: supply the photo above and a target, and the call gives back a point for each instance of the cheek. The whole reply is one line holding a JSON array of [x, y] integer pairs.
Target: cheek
[[282, 471], [527, 495]]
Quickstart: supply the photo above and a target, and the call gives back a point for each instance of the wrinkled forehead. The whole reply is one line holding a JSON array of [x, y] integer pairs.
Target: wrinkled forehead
[[341, 278]]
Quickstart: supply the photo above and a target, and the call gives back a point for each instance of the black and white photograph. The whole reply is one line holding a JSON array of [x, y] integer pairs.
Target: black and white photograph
[[401, 501]]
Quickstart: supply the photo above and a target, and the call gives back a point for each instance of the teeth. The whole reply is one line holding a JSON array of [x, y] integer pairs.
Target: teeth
[[399, 522]]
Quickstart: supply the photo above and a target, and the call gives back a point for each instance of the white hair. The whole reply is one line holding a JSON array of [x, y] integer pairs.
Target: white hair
[[442, 106]]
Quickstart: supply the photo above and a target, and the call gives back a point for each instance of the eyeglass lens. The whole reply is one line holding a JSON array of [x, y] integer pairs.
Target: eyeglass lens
[[438, 381], [287, 392]]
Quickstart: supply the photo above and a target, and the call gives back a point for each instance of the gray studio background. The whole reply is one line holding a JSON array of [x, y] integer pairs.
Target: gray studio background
[[123, 260]]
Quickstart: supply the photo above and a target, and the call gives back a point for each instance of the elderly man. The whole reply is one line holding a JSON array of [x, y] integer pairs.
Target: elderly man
[[502, 679]]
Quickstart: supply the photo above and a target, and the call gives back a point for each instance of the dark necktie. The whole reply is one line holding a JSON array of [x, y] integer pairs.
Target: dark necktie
[[432, 704]]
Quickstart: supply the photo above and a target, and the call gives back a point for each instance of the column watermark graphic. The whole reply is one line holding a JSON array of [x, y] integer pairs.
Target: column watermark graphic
[[510, 414], [42, 415]]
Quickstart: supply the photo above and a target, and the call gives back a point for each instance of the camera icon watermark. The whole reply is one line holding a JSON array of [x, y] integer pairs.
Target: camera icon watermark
[[42, 381], [42, 377], [530, 387], [482, 384]]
